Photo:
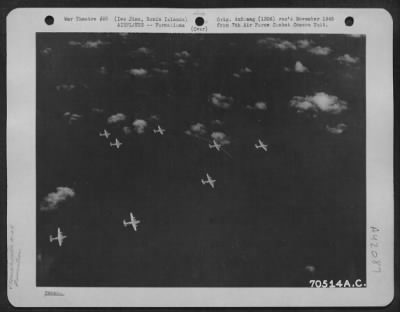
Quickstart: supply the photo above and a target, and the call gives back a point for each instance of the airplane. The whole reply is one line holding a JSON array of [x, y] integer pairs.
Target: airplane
[[261, 145], [209, 181], [134, 222], [215, 145], [105, 134], [60, 237], [117, 143], [159, 130]]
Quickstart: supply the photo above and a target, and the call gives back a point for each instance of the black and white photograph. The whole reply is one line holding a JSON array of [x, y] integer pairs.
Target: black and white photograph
[[177, 157], [200, 160]]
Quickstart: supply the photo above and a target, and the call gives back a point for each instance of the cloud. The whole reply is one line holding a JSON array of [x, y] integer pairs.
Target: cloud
[[197, 129], [46, 51], [74, 43], [117, 118], [221, 101], [236, 75], [154, 118], [276, 43], [102, 70], [97, 110], [160, 71], [143, 50], [319, 102], [182, 55], [300, 68], [260, 105], [304, 43], [220, 138], [348, 59], [138, 72], [338, 129], [310, 268], [217, 122], [90, 44], [181, 58], [180, 62], [72, 118], [53, 200], [139, 125], [127, 130], [65, 87], [318, 50], [245, 70]]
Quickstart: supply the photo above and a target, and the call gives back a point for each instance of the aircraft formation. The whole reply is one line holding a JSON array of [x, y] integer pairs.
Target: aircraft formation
[[132, 219]]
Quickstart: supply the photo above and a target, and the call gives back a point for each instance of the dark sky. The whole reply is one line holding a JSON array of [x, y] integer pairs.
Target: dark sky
[[272, 215]]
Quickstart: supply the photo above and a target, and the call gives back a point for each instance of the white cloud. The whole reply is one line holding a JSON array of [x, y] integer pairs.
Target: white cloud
[[94, 44], [310, 268], [348, 59], [197, 129], [102, 70], [143, 50], [97, 110], [245, 70], [117, 118], [127, 130], [277, 44], [181, 58], [46, 51], [72, 118], [318, 50], [154, 118], [182, 55], [221, 101], [260, 105], [338, 129], [180, 62], [304, 43], [319, 102], [217, 122], [65, 87], [160, 71], [138, 72], [53, 200], [74, 43], [300, 68], [302, 104], [90, 44], [220, 138], [139, 125], [236, 75]]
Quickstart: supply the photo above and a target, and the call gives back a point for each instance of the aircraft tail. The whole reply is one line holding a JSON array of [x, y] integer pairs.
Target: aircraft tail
[[124, 223]]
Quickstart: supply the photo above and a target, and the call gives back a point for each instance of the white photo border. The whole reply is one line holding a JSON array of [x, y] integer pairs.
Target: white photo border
[[22, 26]]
